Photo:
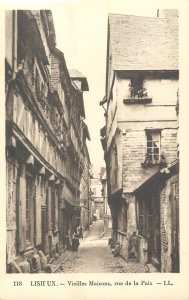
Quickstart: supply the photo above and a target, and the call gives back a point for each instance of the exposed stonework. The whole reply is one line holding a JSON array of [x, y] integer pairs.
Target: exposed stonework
[[134, 150], [169, 230], [131, 214]]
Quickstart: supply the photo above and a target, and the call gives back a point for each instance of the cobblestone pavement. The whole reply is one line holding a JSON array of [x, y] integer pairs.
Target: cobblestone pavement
[[95, 256]]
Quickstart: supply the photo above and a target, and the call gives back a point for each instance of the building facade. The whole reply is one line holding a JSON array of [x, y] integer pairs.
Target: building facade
[[44, 142], [107, 212], [85, 186], [140, 136], [96, 189]]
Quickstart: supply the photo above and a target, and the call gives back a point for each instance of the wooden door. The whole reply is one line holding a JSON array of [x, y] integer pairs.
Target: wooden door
[[44, 227], [29, 210], [149, 225]]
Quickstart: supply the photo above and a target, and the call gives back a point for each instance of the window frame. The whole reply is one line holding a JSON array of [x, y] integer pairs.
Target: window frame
[[136, 87], [153, 155]]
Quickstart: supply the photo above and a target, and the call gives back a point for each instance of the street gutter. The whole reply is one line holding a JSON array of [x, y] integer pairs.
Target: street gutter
[[61, 263]]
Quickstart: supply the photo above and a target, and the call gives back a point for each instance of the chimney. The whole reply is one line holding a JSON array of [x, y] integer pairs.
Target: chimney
[[167, 13]]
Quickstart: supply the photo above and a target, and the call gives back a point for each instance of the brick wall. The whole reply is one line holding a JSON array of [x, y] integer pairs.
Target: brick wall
[[133, 154], [169, 144]]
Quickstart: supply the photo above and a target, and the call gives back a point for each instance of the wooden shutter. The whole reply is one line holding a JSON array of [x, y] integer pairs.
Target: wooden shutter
[[32, 209], [48, 199], [53, 205], [22, 212], [11, 210], [38, 234], [56, 208]]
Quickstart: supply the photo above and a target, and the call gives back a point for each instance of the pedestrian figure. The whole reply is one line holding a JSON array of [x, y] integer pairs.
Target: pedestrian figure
[[75, 241], [116, 250], [80, 233], [68, 240]]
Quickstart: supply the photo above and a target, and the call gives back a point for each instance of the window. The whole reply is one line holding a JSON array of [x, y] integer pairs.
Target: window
[[42, 89], [53, 115], [53, 206], [37, 84], [48, 225], [94, 191], [153, 147], [33, 70], [56, 215], [136, 87]]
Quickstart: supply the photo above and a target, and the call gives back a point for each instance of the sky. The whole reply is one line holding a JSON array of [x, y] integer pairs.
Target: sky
[[81, 33]]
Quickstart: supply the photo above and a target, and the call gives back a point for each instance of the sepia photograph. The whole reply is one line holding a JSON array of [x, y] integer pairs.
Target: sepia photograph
[[92, 144]]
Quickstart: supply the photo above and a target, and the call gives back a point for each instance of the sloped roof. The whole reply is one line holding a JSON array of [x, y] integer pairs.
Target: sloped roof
[[86, 131], [64, 73], [143, 43], [76, 75], [104, 176]]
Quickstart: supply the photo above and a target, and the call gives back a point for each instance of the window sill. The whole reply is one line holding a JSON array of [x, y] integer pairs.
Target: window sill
[[137, 100], [153, 164], [149, 164]]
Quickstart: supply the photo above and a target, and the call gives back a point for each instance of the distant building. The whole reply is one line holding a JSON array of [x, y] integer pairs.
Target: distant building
[[96, 189], [140, 136], [85, 185]]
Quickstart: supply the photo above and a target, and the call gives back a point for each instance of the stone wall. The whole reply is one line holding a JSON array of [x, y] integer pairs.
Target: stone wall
[[167, 213], [123, 240], [133, 155], [115, 163], [169, 144]]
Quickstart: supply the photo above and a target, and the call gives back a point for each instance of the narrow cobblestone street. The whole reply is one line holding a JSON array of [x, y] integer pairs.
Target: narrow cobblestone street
[[94, 256]]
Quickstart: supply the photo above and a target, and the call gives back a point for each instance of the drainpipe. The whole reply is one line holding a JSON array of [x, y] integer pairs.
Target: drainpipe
[[88, 201], [15, 38]]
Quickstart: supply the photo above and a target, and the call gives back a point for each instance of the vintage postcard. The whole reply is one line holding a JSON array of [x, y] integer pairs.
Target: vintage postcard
[[94, 150]]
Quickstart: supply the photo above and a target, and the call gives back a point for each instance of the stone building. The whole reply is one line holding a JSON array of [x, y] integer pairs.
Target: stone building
[[164, 186], [140, 137], [45, 147], [96, 189], [107, 212], [85, 185]]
